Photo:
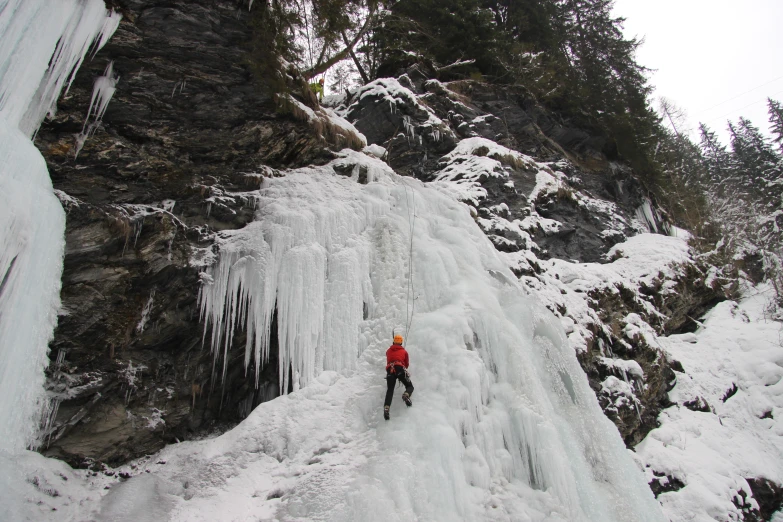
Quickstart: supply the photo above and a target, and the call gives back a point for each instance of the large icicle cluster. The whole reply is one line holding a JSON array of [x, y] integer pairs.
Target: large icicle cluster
[[505, 425], [296, 257], [42, 45]]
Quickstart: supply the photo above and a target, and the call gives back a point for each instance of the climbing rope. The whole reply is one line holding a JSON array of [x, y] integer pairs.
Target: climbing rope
[[411, 288]]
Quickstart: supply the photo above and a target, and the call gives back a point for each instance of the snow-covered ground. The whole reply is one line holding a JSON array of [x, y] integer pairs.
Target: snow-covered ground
[[714, 452], [281, 458]]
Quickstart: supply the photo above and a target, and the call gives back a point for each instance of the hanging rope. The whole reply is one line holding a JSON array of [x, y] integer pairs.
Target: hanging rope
[[411, 288]]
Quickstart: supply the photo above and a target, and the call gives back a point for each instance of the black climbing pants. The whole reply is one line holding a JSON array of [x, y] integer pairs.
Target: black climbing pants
[[392, 375]]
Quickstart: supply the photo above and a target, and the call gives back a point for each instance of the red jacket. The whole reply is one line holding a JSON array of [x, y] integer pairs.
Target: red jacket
[[396, 354]]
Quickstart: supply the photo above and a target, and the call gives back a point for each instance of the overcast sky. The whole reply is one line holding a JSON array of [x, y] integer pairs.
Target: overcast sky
[[717, 59]]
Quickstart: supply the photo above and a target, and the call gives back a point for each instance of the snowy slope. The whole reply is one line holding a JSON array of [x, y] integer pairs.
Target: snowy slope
[[733, 369]]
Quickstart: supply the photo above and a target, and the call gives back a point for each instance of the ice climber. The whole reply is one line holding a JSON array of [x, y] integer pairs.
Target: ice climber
[[318, 89], [397, 369]]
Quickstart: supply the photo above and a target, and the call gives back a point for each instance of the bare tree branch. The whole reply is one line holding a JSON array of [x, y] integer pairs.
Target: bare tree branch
[[325, 66], [359, 67]]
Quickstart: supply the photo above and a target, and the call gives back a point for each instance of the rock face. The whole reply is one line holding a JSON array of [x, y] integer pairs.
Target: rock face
[[190, 128], [188, 124]]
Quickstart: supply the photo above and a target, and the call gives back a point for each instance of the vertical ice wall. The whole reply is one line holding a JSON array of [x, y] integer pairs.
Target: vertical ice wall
[[295, 261], [504, 414], [42, 44]]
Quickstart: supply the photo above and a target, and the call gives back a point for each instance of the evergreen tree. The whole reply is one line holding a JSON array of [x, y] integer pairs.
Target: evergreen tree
[[679, 165], [716, 159], [443, 31], [757, 164], [605, 83], [531, 21], [776, 121]]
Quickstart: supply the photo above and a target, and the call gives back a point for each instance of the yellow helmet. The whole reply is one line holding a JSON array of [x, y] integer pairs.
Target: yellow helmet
[[397, 339]]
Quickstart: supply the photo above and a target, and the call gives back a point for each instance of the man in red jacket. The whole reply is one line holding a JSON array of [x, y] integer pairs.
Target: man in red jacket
[[397, 368]]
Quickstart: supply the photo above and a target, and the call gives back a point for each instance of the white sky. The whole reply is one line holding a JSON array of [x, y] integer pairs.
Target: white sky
[[717, 59]]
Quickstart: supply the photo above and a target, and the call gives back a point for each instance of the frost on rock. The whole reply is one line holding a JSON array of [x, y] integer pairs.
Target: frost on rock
[[474, 159], [504, 425], [145, 313], [418, 118], [331, 126], [482, 147], [641, 261]]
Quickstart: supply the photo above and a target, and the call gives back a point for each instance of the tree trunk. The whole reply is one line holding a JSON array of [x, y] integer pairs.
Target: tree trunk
[[359, 67], [325, 66]]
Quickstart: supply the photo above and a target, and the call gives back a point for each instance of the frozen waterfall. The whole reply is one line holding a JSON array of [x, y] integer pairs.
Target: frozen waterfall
[[42, 44], [504, 426]]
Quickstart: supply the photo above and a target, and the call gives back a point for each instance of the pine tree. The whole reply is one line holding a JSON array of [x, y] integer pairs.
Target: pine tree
[[605, 83], [776, 121], [679, 166], [756, 161], [717, 161], [442, 31], [530, 21]]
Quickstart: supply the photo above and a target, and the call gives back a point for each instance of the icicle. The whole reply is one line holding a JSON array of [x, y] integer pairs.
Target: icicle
[[646, 215], [102, 92], [31, 247], [293, 250], [145, 313]]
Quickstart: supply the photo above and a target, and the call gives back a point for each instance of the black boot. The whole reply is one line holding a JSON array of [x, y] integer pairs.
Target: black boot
[[407, 399], [386, 412]]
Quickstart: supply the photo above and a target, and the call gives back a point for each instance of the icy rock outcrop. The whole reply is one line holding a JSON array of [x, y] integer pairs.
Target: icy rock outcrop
[[41, 49], [393, 116], [568, 206]]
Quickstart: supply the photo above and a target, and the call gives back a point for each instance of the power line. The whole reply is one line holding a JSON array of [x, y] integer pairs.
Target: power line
[[743, 94], [745, 107]]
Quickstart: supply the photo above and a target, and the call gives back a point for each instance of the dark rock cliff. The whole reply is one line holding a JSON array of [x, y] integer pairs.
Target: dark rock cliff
[[188, 124]]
